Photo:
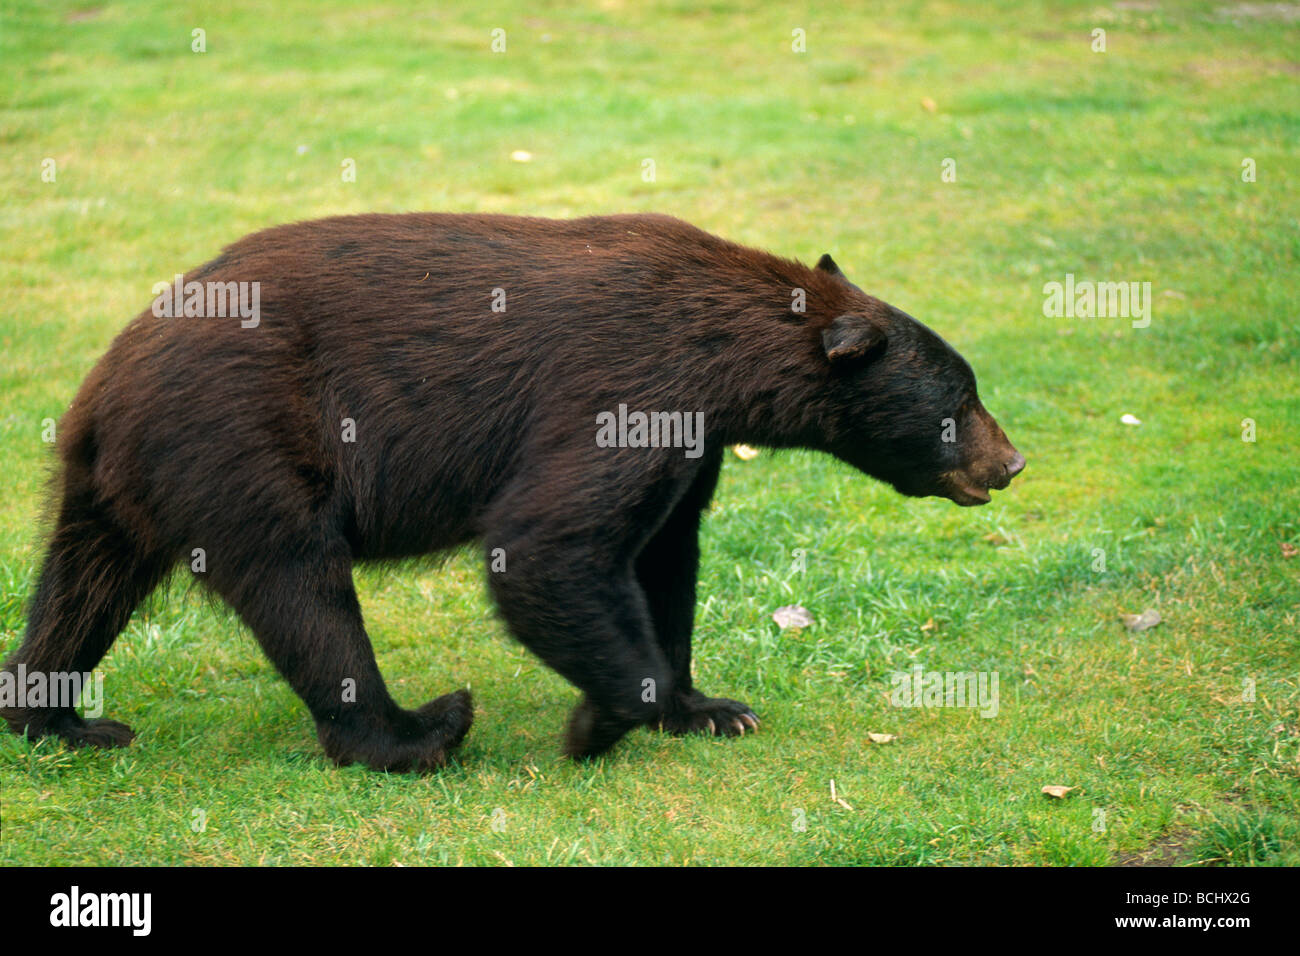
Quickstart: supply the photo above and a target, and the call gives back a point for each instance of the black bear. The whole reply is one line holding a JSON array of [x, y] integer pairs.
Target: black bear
[[378, 386]]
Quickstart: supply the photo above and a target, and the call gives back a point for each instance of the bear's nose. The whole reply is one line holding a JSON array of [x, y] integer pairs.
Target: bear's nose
[[1016, 465]]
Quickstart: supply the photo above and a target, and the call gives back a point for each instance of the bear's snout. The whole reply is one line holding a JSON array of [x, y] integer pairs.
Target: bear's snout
[[991, 464], [1014, 467]]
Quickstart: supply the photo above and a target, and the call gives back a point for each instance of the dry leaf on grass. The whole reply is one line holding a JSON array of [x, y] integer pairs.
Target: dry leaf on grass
[[745, 452], [882, 738], [1141, 622], [1289, 550], [1056, 790], [792, 615]]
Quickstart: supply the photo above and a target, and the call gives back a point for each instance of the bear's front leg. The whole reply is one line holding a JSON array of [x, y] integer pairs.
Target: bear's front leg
[[562, 545], [666, 569], [589, 622], [573, 608]]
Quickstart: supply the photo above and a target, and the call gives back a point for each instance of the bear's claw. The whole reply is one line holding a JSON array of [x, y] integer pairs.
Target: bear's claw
[[716, 716]]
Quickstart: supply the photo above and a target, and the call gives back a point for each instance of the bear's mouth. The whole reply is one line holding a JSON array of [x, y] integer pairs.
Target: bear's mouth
[[958, 488], [969, 497], [968, 489]]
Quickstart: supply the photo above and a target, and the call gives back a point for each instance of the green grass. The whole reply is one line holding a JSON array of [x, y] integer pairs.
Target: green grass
[[1118, 166]]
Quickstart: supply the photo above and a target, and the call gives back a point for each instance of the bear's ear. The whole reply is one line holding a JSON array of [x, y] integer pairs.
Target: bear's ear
[[852, 337], [827, 264]]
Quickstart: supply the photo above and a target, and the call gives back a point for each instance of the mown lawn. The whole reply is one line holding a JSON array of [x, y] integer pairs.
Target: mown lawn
[[1123, 165]]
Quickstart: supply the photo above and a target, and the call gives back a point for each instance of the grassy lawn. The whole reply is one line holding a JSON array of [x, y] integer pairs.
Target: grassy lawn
[[1123, 165]]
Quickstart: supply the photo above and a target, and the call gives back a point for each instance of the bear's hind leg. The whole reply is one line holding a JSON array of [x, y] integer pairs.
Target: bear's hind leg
[[94, 575], [301, 605]]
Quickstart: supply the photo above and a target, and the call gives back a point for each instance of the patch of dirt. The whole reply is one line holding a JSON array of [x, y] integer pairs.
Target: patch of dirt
[[1169, 850]]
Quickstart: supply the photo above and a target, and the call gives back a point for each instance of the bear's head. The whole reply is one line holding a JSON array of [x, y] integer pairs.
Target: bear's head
[[902, 404]]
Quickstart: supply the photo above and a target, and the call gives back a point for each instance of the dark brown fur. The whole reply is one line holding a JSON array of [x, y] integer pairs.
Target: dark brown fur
[[473, 425]]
